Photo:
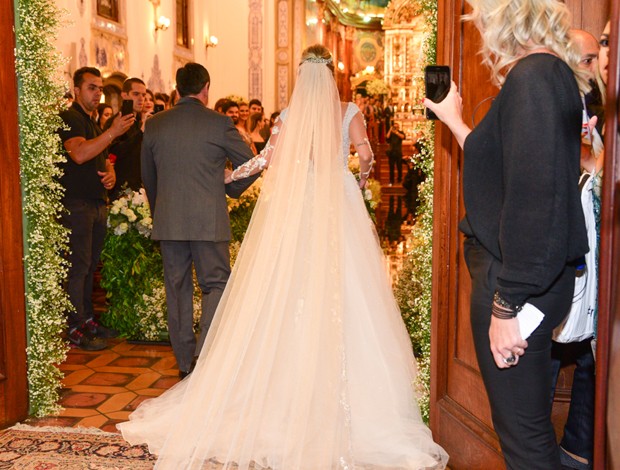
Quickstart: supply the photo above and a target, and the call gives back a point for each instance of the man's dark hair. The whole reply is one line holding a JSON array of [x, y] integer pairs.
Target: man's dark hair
[[255, 101], [78, 75], [128, 84], [229, 104], [191, 79]]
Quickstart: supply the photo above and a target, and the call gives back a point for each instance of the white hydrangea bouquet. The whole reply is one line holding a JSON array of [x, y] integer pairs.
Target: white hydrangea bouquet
[[131, 211]]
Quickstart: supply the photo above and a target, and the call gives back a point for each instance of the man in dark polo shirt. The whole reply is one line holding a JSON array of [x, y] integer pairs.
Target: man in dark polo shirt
[[88, 174]]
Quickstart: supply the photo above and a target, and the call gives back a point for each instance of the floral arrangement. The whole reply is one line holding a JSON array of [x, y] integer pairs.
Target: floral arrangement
[[40, 89], [132, 266], [372, 192], [240, 212], [413, 290], [377, 87], [237, 99]]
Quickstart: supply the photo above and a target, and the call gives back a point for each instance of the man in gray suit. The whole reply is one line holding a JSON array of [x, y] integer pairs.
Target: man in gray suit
[[184, 153]]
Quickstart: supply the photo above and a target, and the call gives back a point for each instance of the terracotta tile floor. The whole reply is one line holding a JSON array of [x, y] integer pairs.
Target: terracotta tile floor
[[102, 388]]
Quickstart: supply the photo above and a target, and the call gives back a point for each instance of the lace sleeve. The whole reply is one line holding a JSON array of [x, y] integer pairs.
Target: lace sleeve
[[260, 161]]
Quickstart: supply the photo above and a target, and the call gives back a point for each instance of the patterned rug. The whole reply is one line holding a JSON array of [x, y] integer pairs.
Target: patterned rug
[[51, 448]]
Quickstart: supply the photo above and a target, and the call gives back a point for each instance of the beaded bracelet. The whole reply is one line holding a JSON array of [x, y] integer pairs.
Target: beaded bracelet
[[503, 309]]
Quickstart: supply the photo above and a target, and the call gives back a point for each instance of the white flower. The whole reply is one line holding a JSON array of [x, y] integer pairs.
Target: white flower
[[368, 194], [121, 228], [131, 215]]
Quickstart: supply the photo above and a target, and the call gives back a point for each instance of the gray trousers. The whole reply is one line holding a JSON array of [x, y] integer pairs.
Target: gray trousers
[[211, 261]]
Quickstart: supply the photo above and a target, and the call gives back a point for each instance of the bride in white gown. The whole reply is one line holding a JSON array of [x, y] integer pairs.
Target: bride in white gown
[[307, 364]]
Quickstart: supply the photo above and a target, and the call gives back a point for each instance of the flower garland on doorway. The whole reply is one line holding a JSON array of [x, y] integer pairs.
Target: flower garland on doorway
[[40, 91], [413, 289]]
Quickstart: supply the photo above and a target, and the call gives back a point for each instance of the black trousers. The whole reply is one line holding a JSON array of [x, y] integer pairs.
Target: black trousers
[[519, 396], [86, 218]]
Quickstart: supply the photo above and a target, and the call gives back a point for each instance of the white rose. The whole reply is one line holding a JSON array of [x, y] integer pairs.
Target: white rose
[[121, 229]]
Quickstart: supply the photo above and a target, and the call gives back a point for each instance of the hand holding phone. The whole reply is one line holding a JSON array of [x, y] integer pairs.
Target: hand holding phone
[[127, 107], [437, 85]]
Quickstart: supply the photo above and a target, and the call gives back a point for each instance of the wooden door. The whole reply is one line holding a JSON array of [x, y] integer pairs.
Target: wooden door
[[13, 384], [607, 412], [460, 414]]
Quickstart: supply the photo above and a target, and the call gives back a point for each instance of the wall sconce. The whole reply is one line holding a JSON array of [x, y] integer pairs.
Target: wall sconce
[[162, 24], [212, 42]]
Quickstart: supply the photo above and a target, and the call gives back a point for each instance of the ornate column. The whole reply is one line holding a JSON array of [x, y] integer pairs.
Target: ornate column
[[255, 45]]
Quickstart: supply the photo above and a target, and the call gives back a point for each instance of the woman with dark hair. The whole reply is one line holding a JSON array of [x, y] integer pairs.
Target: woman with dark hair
[[104, 112], [255, 126], [308, 364]]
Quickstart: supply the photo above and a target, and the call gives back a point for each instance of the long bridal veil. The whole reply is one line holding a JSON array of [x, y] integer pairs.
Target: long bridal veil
[[307, 364]]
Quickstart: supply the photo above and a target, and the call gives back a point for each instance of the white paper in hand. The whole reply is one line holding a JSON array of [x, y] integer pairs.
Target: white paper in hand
[[529, 318]]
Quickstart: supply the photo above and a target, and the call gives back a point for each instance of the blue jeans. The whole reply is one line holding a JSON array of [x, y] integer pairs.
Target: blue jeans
[[87, 221], [579, 429]]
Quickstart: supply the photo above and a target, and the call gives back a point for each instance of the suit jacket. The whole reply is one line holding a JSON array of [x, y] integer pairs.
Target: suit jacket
[[184, 153]]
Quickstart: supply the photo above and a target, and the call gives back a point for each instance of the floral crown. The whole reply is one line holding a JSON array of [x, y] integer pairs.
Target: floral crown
[[318, 60]]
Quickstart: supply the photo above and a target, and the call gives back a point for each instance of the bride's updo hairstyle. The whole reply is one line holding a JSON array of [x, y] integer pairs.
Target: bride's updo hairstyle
[[320, 54]]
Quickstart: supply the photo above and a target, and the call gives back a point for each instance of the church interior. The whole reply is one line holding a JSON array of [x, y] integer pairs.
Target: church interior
[[251, 49]]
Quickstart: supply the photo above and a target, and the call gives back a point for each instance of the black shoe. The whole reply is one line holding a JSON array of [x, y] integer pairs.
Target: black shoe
[[86, 341], [183, 374], [100, 331]]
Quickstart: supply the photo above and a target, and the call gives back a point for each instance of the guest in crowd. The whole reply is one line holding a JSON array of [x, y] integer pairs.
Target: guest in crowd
[[88, 175], [577, 444], [256, 106], [255, 126], [149, 103], [162, 98], [411, 182], [174, 98], [219, 104], [388, 114], [126, 148], [394, 152], [104, 112], [185, 188], [524, 225], [244, 115], [231, 109]]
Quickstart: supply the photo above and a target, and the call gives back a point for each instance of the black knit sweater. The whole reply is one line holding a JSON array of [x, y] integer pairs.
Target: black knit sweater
[[521, 174]]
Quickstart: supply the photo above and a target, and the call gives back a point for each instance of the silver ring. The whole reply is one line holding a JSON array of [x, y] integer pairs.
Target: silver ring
[[509, 360]]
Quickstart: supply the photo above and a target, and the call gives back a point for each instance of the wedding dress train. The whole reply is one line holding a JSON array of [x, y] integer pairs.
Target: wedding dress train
[[307, 364]]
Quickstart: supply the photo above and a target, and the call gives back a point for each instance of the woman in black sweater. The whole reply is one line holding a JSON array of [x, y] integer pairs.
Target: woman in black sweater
[[524, 224]]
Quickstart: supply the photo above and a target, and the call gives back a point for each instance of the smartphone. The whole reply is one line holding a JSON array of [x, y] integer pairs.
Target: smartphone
[[127, 107], [437, 84], [157, 108]]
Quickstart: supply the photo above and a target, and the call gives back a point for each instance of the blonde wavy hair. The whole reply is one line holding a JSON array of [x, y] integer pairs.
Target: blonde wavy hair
[[512, 28], [318, 51]]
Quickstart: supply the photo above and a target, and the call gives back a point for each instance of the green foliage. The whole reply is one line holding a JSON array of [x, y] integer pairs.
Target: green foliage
[[413, 290], [130, 264], [40, 94]]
